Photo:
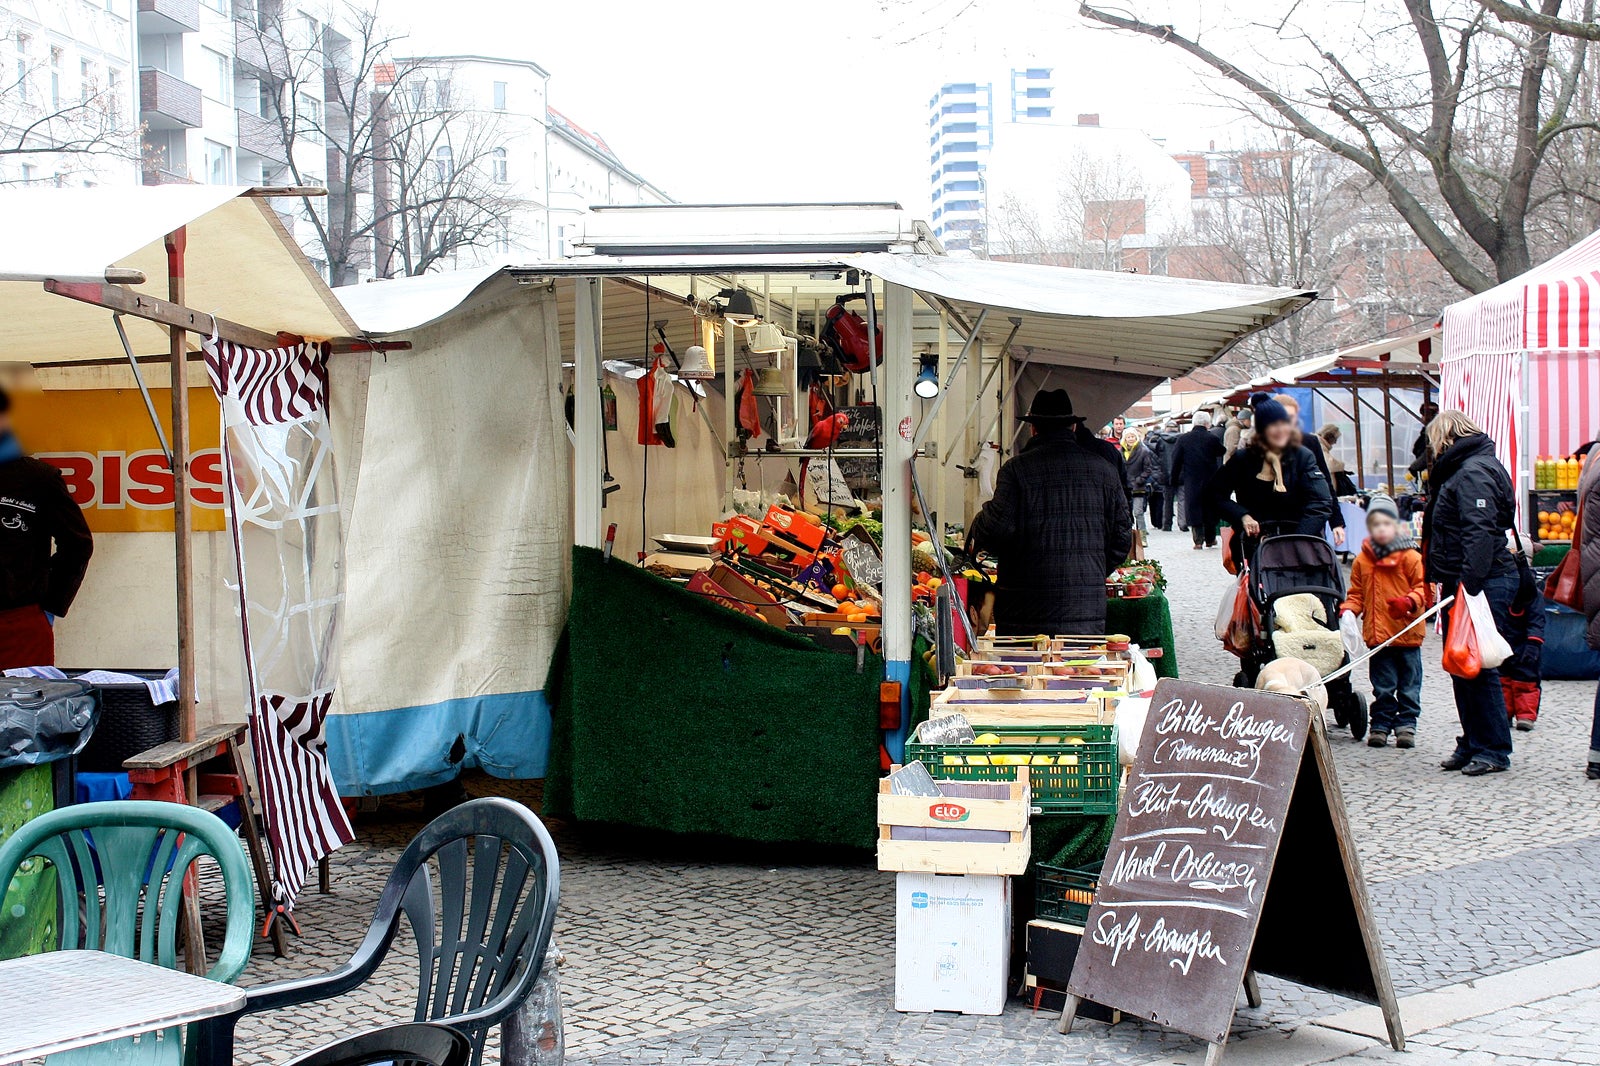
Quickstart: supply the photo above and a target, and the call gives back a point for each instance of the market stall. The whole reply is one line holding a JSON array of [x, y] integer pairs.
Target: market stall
[[100, 330], [754, 288], [1523, 359], [1377, 386]]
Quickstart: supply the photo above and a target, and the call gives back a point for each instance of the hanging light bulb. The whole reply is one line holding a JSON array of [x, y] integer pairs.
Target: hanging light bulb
[[927, 385]]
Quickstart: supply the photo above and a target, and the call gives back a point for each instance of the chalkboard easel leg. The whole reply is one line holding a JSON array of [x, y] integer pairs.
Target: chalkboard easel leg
[[1214, 1053], [1069, 1013], [1252, 989]]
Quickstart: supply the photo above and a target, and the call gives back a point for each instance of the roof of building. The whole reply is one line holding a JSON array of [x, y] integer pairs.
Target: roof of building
[[595, 145], [468, 58]]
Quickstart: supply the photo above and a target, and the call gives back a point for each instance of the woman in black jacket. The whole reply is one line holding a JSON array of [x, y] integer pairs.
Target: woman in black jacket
[[1141, 473], [1272, 487], [1471, 506]]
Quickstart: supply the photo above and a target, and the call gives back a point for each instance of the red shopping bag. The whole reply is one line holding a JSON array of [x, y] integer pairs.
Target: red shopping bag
[[1462, 655], [1245, 622]]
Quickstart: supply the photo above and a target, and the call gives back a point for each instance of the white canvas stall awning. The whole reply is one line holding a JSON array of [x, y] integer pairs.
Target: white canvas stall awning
[[1414, 355], [1139, 324], [240, 264]]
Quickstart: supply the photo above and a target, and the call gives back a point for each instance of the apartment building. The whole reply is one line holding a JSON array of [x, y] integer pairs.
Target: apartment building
[[68, 90], [543, 170], [962, 117]]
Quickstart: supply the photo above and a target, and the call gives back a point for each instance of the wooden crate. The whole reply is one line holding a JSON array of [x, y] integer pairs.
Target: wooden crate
[[978, 827], [1022, 707]]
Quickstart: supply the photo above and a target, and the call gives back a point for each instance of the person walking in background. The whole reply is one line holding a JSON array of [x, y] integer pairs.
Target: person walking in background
[[1313, 444], [1059, 524], [1196, 457], [1521, 676], [1273, 487], [1471, 507], [1159, 441], [44, 551], [1388, 592], [1238, 426], [1421, 454], [1341, 483], [1588, 549], [1142, 473]]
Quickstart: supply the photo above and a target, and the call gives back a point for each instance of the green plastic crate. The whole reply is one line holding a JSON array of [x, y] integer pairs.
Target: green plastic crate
[[1087, 787], [1065, 895]]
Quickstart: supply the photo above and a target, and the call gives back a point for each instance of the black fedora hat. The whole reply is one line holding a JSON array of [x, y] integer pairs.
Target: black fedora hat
[[1049, 406]]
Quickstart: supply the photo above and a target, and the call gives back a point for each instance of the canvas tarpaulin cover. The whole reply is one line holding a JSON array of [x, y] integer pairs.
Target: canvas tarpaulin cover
[[284, 517], [459, 528]]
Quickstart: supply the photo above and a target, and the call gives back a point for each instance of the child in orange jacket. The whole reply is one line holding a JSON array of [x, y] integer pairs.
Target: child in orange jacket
[[1387, 591]]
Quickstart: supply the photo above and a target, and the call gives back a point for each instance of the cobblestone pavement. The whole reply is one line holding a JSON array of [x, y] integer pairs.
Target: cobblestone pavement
[[1557, 1029], [676, 954]]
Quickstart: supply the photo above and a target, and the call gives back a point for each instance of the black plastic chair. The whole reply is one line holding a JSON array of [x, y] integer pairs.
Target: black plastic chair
[[411, 1044], [481, 939]]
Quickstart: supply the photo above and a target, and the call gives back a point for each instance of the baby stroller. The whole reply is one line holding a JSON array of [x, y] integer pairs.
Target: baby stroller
[[1297, 586]]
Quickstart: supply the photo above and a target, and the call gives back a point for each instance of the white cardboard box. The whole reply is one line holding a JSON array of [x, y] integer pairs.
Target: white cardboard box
[[952, 942]]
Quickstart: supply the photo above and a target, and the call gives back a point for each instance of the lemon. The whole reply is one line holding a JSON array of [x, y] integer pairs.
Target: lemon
[[951, 760], [1075, 740], [1044, 760], [1068, 760], [977, 760], [1049, 740], [988, 738]]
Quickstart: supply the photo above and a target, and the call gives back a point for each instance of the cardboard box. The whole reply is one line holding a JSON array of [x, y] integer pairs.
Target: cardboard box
[[952, 943], [797, 525]]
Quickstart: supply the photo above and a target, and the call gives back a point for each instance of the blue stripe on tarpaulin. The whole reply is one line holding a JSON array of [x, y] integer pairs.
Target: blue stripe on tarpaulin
[[378, 752]]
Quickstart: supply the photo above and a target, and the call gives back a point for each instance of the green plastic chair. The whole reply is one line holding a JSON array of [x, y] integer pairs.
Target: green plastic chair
[[119, 869]]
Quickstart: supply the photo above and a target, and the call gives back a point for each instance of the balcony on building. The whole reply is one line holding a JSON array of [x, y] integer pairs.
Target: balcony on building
[[260, 50], [165, 174], [167, 102], [261, 137], [169, 16]]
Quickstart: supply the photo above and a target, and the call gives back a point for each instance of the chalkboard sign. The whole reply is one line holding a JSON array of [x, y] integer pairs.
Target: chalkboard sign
[[866, 426], [1222, 787], [861, 561]]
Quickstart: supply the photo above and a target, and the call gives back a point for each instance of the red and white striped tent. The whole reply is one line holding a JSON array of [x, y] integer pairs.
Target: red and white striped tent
[[1523, 359]]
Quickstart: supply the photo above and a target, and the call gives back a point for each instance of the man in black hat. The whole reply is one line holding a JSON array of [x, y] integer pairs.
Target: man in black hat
[[1059, 523]]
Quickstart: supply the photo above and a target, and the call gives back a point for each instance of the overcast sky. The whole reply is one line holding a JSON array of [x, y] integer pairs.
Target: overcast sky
[[757, 100]]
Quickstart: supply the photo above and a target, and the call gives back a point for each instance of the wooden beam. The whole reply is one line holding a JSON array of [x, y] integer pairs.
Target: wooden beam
[[124, 276], [268, 192], [167, 313]]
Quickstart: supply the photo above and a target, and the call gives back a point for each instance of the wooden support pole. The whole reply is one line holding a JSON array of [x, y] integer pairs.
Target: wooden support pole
[[176, 242], [1388, 433], [1361, 465]]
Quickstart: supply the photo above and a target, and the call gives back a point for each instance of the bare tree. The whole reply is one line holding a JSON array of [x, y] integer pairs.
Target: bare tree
[[69, 130], [1293, 215], [1103, 213], [1452, 111], [410, 170]]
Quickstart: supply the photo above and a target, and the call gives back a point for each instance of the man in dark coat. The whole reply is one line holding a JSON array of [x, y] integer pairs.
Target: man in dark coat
[[1196, 457], [1163, 498], [1059, 523], [44, 551]]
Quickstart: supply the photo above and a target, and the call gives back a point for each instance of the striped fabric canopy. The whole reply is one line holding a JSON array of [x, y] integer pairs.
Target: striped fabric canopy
[[1533, 339]]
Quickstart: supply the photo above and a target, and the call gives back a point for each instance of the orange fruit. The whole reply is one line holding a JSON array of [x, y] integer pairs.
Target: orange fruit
[[842, 591]]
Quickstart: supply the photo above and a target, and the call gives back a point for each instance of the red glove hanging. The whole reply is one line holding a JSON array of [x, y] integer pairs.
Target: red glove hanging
[[1401, 606]]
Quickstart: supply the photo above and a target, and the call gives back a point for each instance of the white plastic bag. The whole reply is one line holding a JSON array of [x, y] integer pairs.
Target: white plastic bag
[[1492, 647], [1225, 609], [1355, 641]]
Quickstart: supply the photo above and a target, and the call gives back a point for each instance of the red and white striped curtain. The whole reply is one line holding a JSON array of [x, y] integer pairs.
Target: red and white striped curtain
[[283, 513], [1489, 388]]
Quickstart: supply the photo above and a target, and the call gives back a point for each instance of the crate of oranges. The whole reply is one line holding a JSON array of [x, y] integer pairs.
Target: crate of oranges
[[1556, 520]]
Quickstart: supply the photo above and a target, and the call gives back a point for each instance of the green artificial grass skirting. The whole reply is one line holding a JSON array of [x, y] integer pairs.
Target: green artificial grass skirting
[[1148, 622], [674, 714]]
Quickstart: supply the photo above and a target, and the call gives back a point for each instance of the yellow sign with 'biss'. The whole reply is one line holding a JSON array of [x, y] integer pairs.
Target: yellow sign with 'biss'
[[107, 451]]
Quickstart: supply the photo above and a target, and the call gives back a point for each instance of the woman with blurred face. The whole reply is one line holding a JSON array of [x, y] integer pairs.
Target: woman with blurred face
[[1273, 487]]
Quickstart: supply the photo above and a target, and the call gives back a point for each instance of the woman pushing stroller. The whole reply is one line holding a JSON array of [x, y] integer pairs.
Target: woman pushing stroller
[[1274, 486]]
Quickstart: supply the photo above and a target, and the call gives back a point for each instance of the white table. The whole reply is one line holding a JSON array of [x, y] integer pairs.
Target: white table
[[61, 1000]]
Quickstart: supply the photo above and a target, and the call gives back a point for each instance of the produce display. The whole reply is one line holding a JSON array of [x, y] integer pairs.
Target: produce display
[[1136, 580], [1551, 472]]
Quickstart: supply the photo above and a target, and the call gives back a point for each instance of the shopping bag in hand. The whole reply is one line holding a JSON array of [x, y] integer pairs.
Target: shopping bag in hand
[[1245, 621], [1355, 642], [1493, 649], [1473, 644]]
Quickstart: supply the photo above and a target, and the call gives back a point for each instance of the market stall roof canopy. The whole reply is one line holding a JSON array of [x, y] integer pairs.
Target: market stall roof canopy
[[1081, 318], [1555, 307], [1403, 362], [240, 264]]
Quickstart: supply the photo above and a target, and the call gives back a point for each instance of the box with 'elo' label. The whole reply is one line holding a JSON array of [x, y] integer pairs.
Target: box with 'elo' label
[[952, 942]]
